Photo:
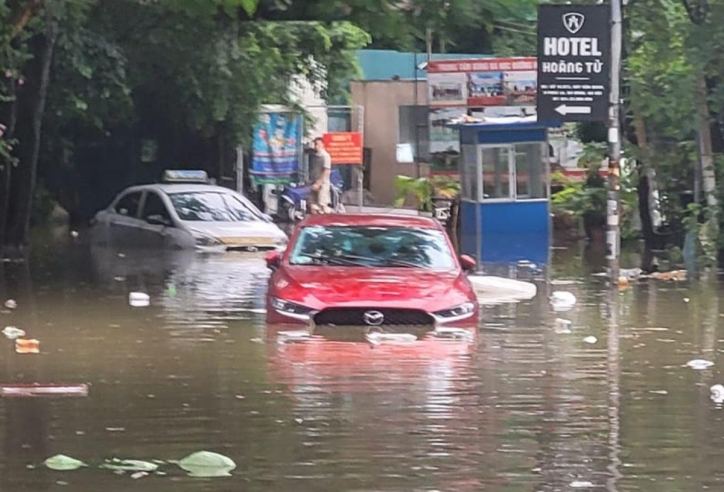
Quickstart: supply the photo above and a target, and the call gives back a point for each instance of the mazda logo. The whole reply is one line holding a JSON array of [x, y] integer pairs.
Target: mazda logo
[[373, 318]]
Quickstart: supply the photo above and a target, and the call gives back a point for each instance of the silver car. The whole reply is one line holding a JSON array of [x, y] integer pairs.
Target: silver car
[[186, 216]]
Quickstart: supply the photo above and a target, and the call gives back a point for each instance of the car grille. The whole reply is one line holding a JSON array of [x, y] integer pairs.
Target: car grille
[[370, 317]]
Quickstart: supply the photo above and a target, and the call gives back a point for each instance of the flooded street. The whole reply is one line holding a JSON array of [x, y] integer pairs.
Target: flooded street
[[533, 405]]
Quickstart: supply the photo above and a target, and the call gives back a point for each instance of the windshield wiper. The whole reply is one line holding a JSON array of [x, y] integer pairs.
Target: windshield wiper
[[340, 260], [392, 261]]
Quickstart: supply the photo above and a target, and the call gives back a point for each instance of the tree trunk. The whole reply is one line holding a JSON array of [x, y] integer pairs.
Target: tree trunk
[[8, 114], [31, 106], [708, 173], [644, 188], [707, 157]]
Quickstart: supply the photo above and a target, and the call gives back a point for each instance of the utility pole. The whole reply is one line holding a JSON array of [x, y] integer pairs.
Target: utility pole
[[613, 235]]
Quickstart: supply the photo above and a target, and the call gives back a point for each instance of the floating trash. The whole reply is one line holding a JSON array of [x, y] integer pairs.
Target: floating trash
[[293, 336], [207, 465], [590, 340], [129, 465], [12, 332], [699, 364], [563, 326], [562, 301], [527, 264], [61, 462], [42, 390], [377, 338], [138, 475], [674, 276], [452, 333], [27, 346], [139, 299], [581, 484], [717, 393], [253, 310], [631, 273], [11, 304], [74, 234]]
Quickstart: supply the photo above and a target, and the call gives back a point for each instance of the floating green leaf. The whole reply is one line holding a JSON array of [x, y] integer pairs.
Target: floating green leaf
[[129, 465], [61, 462], [207, 464]]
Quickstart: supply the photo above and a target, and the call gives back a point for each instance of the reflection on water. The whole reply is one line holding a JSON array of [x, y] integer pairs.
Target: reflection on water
[[522, 407]]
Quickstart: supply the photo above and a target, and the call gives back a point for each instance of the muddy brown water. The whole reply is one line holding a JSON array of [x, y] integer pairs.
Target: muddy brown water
[[525, 408]]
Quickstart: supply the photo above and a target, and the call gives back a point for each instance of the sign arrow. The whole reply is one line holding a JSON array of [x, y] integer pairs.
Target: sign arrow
[[564, 110]]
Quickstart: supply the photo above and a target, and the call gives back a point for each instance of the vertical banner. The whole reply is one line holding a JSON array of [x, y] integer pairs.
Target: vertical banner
[[276, 148]]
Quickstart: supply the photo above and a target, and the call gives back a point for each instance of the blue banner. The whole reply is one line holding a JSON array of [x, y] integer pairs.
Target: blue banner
[[276, 150]]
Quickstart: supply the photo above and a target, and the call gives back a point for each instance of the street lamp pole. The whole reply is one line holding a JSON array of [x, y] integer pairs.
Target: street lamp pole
[[613, 235]]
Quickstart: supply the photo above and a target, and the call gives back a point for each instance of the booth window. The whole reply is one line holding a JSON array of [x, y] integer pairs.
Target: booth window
[[468, 176], [530, 171], [496, 172], [514, 172]]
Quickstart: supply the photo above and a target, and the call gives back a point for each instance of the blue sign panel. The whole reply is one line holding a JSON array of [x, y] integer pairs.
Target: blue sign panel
[[276, 150]]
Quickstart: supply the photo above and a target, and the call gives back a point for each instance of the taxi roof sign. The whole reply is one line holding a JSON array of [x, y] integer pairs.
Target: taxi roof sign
[[185, 176]]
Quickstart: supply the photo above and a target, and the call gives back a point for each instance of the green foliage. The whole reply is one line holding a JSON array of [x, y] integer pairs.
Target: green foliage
[[580, 199], [12, 57], [424, 189], [587, 200], [660, 71], [42, 206]]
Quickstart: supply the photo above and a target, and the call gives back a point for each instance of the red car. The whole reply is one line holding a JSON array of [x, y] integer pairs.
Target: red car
[[383, 271]]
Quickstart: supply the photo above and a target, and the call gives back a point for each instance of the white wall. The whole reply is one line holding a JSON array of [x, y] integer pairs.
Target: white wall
[[304, 94]]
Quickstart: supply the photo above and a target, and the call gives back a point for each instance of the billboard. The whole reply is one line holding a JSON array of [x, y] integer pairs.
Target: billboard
[[494, 87]]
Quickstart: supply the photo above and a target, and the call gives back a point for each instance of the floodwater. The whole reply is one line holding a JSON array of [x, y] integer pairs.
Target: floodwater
[[527, 407]]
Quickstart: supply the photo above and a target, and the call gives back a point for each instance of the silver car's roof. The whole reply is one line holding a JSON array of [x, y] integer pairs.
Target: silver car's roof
[[180, 188]]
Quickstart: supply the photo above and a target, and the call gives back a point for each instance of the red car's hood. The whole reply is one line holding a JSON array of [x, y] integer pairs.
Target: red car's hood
[[320, 287]]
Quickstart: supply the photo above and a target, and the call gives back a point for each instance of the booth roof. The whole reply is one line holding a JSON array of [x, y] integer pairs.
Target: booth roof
[[514, 123]]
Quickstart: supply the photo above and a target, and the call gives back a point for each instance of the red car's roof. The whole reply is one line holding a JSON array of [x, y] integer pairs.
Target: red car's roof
[[372, 220]]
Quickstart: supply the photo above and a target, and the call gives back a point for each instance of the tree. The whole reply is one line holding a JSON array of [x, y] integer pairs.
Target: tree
[[179, 70]]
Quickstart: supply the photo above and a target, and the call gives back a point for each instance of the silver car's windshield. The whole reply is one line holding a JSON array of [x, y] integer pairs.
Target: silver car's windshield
[[209, 206], [365, 246]]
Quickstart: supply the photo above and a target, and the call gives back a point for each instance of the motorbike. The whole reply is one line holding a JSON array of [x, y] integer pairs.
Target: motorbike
[[293, 198], [441, 209]]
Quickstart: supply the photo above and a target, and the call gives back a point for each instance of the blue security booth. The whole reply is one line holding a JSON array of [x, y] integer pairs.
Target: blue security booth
[[505, 191]]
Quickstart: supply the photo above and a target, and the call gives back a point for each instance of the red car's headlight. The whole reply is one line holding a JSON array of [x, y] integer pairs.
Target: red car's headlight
[[462, 311], [291, 309]]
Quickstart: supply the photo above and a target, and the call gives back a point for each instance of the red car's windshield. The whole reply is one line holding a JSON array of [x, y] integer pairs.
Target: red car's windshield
[[367, 246]]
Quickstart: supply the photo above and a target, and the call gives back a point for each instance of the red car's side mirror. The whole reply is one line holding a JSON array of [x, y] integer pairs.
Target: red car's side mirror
[[272, 260], [468, 263]]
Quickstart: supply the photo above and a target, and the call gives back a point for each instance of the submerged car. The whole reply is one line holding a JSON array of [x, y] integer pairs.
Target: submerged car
[[185, 214], [374, 271]]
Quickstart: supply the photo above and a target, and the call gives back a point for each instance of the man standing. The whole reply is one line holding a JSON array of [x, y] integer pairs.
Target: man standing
[[320, 171]]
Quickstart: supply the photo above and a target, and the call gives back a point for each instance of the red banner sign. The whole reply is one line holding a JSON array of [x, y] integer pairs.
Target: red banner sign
[[344, 147]]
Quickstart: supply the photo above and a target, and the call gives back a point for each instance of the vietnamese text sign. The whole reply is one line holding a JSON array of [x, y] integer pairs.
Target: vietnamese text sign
[[573, 62], [276, 150], [482, 82], [344, 147], [490, 87]]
